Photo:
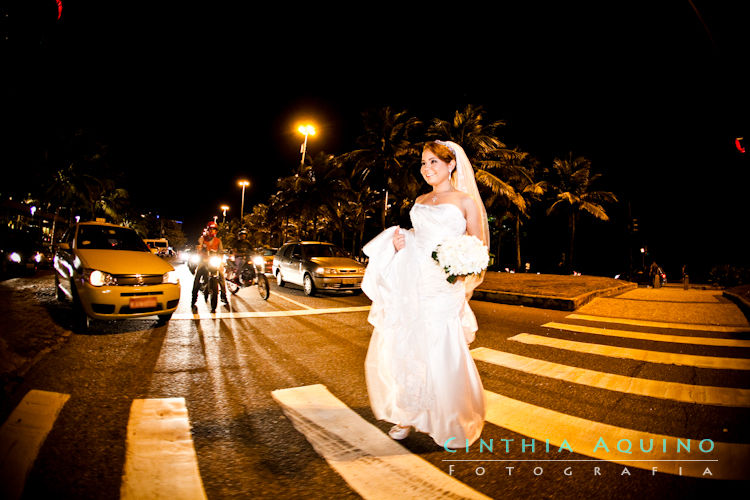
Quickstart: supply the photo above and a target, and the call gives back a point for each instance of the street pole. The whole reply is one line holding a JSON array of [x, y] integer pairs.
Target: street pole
[[243, 184]]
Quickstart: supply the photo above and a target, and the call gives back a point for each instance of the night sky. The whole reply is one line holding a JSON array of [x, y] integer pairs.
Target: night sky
[[192, 96]]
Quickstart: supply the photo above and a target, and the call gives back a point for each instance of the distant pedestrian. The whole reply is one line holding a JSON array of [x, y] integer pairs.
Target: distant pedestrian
[[685, 277], [654, 273]]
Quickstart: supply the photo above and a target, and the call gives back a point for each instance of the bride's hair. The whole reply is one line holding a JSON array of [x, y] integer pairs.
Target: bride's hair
[[440, 150]]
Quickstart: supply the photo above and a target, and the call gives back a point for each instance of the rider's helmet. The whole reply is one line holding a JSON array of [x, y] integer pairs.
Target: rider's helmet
[[242, 233], [211, 229]]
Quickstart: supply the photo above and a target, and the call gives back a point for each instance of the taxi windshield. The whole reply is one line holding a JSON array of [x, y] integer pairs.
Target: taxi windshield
[[109, 238]]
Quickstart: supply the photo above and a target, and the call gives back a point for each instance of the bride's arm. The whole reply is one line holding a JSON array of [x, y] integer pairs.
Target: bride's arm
[[473, 218]]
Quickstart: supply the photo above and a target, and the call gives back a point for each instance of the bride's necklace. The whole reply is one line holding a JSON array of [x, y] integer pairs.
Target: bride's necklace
[[435, 196]]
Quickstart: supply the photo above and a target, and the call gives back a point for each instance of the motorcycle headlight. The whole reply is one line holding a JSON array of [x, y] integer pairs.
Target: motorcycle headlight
[[171, 277], [15, 257], [98, 278], [259, 261], [195, 258], [214, 261]]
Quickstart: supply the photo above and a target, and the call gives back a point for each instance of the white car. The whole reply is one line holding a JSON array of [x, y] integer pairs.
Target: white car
[[109, 273]]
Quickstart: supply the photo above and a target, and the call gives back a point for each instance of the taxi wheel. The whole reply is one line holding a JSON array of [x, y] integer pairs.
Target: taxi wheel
[[60, 295], [164, 318], [81, 320], [308, 285]]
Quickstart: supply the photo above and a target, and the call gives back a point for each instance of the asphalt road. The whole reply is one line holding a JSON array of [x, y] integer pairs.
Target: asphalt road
[[246, 446]]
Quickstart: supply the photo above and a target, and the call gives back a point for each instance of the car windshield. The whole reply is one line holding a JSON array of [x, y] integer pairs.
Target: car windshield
[[109, 238], [322, 251]]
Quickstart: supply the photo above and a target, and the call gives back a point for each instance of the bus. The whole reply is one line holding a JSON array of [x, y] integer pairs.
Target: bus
[[159, 246]]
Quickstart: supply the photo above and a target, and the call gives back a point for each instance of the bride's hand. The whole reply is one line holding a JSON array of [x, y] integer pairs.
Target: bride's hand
[[399, 241]]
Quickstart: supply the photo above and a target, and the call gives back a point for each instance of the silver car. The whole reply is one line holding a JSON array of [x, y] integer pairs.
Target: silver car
[[315, 265]]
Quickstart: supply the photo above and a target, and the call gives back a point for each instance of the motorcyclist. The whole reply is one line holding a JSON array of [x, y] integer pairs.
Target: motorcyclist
[[207, 243], [242, 250]]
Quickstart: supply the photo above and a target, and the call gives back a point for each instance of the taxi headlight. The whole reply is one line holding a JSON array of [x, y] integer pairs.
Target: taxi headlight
[[171, 277], [326, 271], [98, 278], [259, 261]]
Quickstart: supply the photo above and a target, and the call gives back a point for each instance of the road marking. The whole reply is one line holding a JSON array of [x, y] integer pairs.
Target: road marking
[[268, 314], [22, 435], [160, 460], [636, 354], [299, 304], [661, 324], [373, 464], [657, 337], [610, 443], [686, 393]]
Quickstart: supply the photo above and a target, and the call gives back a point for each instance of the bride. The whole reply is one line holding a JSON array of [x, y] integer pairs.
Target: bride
[[419, 371]]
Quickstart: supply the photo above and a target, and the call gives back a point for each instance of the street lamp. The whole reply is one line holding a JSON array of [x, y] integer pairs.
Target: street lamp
[[243, 184], [305, 130], [224, 209]]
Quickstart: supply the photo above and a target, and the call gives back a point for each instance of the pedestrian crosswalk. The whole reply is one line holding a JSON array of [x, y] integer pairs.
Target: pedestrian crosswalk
[[161, 460]]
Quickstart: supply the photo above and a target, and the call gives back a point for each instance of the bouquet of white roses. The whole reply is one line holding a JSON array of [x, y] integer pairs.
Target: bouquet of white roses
[[461, 256]]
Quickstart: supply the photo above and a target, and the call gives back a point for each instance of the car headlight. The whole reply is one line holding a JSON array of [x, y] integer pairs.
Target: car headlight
[[15, 257], [259, 261], [99, 278], [38, 257], [171, 277]]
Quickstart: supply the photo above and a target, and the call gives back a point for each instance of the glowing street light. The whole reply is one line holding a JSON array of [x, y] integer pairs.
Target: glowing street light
[[224, 209], [243, 184], [305, 130]]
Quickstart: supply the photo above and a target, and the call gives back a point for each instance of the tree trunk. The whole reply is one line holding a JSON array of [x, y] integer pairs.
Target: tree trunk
[[518, 243], [571, 261]]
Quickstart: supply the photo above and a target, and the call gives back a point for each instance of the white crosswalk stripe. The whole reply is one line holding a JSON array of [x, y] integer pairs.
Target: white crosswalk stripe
[[22, 435], [160, 460], [373, 464], [685, 393], [669, 358]]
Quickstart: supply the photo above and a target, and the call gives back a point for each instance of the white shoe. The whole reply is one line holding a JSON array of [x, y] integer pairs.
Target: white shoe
[[397, 432]]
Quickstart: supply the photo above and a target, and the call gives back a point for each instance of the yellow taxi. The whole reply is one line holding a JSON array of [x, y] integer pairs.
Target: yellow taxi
[[109, 273]]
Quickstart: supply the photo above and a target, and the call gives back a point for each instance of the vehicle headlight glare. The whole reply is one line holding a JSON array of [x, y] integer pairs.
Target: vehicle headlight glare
[[214, 261], [195, 258], [15, 257], [171, 277], [259, 261], [99, 278]]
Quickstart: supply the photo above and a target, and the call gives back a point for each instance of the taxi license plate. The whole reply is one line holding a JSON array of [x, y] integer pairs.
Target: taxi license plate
[[142, 302]]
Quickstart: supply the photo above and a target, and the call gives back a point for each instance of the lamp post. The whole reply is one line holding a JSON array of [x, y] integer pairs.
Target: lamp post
[[305, 130], [243, 184], [224, 209]]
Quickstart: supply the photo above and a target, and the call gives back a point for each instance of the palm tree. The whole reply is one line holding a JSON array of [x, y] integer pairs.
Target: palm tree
[[387, 155], [573, 180]]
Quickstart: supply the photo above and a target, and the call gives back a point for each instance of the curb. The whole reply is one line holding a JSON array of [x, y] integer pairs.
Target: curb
[[741, 302], [547, 302]]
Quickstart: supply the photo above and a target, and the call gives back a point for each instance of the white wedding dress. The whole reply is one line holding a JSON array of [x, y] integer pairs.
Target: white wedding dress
[[419, 370]]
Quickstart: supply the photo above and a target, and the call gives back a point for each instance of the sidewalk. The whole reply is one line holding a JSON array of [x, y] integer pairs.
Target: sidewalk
[[699, 305], [547, 291]]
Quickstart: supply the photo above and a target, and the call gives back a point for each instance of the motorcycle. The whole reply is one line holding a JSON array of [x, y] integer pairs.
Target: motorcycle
[[209, 282], [243, 272]]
